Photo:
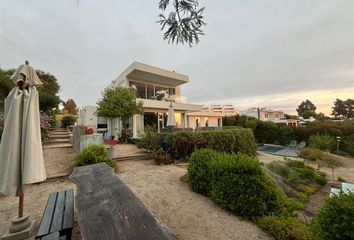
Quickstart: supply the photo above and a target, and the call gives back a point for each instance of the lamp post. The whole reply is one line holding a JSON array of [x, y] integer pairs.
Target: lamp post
[[338, 140]]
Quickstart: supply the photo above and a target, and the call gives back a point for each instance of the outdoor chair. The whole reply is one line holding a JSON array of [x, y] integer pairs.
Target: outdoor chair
[[293, 144], [301, 146]]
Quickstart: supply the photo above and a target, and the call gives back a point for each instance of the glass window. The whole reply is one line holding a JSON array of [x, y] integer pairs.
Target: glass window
[[161, 92], [139, 89], [172, 91], [150, 91]]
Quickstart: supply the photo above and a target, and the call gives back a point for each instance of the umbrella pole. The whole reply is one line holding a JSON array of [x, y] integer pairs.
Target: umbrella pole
[[20, 207]]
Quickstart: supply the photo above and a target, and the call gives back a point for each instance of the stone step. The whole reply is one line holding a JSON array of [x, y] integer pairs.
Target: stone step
[[134, 158], [59, 136], [57, 140], [58, 145]]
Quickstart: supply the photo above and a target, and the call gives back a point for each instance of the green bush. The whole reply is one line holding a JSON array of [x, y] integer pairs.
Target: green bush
[[234, 181], [285, 135], [68, 120], [314, 154], [239, 185], [94, 154], [347, 144], [150, 140], [286, 228], [266, 132], [335, 220], [323, 142], [183, 143], [199, 172], [295, 172]]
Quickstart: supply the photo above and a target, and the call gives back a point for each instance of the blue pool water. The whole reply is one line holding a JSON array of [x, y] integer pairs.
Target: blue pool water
[[270, 149]]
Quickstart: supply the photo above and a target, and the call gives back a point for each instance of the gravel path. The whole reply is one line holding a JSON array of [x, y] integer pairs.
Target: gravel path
[[189, 215]]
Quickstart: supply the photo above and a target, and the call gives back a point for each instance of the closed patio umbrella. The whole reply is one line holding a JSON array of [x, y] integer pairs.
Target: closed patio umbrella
[[171, 116], [21, 154]]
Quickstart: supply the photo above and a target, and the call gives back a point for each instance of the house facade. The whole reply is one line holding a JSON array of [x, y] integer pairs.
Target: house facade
[[264, 114], [155, 88], [223, 109]]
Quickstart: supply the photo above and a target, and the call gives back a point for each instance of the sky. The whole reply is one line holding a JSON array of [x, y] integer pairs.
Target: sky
[[255, 53]]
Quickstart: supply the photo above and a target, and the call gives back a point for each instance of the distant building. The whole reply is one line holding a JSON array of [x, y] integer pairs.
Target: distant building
[[265, 114], [224, 110]]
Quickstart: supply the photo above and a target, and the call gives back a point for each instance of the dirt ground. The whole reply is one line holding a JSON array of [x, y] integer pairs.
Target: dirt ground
[[35, 200], [188, 214]]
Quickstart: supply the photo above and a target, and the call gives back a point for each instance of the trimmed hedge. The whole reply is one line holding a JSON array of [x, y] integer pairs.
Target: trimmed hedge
[[235, 182], [239, 140]]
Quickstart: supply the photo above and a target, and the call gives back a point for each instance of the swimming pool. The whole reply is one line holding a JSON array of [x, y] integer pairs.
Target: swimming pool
[[279, 150], [270, 148]]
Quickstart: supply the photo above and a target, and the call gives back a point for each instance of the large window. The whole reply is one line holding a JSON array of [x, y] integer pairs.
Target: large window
[[140, 89], [150, 91]]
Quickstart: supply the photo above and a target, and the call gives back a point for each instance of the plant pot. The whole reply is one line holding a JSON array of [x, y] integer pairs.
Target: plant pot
[[158, 161]]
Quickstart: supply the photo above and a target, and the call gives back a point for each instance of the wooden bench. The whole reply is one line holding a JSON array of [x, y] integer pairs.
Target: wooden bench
[[58, 216], [107, 209]]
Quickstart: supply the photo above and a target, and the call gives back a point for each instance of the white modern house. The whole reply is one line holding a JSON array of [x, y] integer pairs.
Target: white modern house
[[265, 114], [155, 88]]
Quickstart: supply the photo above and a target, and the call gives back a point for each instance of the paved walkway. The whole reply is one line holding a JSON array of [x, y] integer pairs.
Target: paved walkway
[[58, 154]]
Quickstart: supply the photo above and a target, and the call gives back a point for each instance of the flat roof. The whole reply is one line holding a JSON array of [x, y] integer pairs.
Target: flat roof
[[141, 71]]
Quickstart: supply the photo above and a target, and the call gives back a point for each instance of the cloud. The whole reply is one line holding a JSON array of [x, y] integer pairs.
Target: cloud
[[252, 49]]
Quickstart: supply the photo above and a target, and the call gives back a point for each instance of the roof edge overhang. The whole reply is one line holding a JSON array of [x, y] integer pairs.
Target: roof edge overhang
[[141, 71]]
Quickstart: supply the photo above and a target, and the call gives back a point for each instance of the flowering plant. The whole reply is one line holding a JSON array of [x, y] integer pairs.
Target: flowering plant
[[45, 121]]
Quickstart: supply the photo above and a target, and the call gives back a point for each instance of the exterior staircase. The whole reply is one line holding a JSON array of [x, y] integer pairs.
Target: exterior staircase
[[125, 152], [58, 154]]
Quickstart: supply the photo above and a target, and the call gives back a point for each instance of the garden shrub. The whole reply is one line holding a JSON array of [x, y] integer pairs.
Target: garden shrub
[[150, 139], [314, 154], [94, 154], [238, 184], [183, 143], [347, 144], [286, 228], [323, 142], [266, 132], [335, 220], [199, 172], [285, 135], [68, 120]]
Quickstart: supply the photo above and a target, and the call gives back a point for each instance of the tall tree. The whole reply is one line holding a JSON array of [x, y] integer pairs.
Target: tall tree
[[70, 106], [349, 106], [118, 103], [50, 82], [306, 109], [344, 109], [184, 22]]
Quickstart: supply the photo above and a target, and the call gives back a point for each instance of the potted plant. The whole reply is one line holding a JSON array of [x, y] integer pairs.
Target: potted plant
[[158, 155]]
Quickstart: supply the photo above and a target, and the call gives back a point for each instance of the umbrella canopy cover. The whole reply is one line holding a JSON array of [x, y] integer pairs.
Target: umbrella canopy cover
[[21, 154], [171, 116], [31, 75]]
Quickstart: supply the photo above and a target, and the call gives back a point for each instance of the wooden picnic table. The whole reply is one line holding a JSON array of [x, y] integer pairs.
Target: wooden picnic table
[[108, 209]]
